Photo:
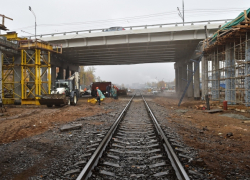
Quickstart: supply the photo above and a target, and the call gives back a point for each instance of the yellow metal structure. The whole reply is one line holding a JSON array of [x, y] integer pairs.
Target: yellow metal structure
[[8, 82], [38, 44], [9, 74], [35, 75], [12, 36], [35, 69]]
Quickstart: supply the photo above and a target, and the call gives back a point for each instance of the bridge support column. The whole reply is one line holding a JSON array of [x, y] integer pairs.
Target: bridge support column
[[179, 80], [61, 73], [213, 89], [190, 92], [215, 78], [1, 78], [247, 72], [197, 95], [53, 76], [67, 73], [184, 78], [230, 96], [204, 77], [176, 77]]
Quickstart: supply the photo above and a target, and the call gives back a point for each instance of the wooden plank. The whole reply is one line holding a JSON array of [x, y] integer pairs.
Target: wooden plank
[[214, 111]]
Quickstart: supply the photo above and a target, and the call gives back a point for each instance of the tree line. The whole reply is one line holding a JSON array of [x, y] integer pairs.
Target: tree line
[[87, 75]]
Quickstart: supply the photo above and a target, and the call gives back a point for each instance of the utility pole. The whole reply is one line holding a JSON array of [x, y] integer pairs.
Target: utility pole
[[35, 19], [181, 14]]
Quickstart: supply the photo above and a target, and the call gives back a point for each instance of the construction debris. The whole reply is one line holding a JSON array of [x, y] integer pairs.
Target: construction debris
[[214, 111], [69, 127]]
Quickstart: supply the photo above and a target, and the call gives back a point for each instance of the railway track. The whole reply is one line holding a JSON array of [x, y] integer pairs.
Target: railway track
[[135, 147]]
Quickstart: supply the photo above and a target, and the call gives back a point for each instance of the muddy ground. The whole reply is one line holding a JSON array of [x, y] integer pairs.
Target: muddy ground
[[222, 139], [31, 141]]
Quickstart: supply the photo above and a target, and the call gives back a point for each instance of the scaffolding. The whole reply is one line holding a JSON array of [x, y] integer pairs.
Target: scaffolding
[[36, 69], [228, 60], [10, 79]]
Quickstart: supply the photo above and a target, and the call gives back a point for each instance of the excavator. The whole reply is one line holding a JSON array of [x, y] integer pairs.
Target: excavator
[[65, 92]]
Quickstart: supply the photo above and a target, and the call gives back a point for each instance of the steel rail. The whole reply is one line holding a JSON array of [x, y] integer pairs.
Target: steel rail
[[179, 170], [93, 161], [131, 27]]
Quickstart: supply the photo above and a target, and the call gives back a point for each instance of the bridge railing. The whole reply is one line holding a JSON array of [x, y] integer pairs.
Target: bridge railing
[[134, 27]]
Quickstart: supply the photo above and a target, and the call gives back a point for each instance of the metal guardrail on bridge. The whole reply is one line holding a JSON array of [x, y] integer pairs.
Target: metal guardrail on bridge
[[133, 27]]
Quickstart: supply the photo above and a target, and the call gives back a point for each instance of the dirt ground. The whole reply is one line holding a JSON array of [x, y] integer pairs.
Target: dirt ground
[[20, 122], [222, 142]]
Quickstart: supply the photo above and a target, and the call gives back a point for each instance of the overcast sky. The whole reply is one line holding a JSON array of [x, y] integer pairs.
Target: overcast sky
[[69, 15]]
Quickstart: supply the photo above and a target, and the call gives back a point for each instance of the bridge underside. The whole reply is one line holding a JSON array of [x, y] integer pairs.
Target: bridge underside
[[131, 53]]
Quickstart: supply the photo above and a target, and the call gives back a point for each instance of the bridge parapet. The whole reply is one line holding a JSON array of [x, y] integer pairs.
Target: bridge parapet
[[88, 31]]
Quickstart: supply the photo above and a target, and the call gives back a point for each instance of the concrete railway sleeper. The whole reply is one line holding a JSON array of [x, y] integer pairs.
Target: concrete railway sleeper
[[135, 147]]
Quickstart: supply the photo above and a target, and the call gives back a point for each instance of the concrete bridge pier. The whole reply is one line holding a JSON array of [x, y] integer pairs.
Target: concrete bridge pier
[[176, 78], [215, 78], [60, 73], [67, 75], [73, 68], [182, 74], [190, 91], [247, 71], [204, 77], [183, 78], [230, 96], [53, 76], [197, 95]]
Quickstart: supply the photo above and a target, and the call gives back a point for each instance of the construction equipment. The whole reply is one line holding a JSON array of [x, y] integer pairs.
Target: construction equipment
[[101, 85], [122, 91], [66, 92]]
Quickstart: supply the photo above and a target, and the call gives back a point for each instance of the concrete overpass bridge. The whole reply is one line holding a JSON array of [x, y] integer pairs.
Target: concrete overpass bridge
[[134, 45], [139, 44]]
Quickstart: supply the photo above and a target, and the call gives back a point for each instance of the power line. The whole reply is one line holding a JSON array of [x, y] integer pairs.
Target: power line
[[189, 13]]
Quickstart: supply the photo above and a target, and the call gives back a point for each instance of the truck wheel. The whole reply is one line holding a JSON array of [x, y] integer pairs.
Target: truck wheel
[[49, 105], [74, 100]]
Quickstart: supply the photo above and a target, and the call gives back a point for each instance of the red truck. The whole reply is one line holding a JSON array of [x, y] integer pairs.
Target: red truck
[[101, 85]]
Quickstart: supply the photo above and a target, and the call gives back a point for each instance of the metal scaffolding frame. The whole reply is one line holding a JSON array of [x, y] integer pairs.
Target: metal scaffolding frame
[[10, 79], [35, 75], [35, 70], [229, 71]]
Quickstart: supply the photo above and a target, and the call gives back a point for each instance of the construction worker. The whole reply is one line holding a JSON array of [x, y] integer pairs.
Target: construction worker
[[114, 92], [108, 89], [99, 95], [116, 88]]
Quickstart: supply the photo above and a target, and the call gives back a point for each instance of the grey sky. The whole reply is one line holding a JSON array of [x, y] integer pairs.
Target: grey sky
[[69, 15]]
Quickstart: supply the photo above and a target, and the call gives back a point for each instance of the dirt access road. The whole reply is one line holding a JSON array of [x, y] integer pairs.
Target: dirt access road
[[20, 122], [33, 130]]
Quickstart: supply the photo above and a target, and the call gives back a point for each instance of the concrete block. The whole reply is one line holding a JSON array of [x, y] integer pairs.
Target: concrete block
[[69, 127]]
